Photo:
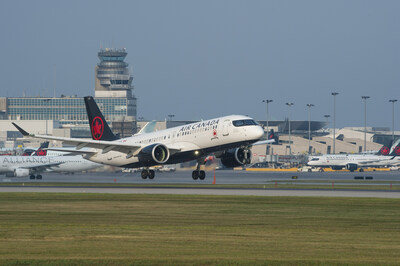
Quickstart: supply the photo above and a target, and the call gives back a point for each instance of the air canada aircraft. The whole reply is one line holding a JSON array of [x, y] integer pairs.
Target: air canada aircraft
[[384, 157], [39, 162], [228, 138]]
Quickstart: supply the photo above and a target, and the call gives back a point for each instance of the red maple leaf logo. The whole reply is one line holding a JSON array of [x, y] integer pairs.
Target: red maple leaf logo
[[397, 150], [97, 128], [385, 150], [215, 133], [41, 153]]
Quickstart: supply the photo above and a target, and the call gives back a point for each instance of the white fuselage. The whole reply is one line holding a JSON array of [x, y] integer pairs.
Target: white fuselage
[[186, 142], [361, 160], [35, 164]]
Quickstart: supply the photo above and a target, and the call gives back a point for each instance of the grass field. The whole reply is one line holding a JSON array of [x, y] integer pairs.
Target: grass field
[[98, 229]]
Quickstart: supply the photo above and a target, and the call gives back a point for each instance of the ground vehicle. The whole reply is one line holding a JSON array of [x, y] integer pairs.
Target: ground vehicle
[[310, 169]]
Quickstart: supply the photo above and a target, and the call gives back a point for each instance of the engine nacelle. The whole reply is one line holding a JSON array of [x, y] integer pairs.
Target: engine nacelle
[[19, 172], [351, 167], [236, 157], [337, 167], [153, 154]]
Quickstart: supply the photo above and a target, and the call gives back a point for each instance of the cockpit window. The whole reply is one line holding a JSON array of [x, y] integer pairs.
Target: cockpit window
[[315, 159], [245, 122]]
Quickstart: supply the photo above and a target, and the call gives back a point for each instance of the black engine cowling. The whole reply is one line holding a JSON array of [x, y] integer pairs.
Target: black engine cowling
[[153, 154], [236, 157], [351, 167]]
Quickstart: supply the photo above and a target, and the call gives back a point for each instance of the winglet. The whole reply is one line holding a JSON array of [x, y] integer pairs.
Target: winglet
[[23, 132]]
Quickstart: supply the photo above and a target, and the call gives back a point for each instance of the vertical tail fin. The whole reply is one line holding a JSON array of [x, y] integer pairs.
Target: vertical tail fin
[[98, 124], [395, 149], [272, 135], [41, 151], [385, 149]]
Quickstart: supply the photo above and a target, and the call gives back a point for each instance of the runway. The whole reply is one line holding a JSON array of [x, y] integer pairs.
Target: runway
[[208, 191], [184, 183], [222, 177]]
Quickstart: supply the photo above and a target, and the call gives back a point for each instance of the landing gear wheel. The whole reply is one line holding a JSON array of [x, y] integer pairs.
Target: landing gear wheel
[[195, 175], [202, 175], [39, 177], [144, 174], [151, 174], [32, 177], [361, 170]]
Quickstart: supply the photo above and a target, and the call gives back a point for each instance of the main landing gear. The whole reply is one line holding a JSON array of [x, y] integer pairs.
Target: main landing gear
[[146, 173], [199, 174], [32, 176]]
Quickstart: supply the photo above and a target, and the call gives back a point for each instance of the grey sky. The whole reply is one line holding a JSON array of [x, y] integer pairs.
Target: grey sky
[[201, 59]]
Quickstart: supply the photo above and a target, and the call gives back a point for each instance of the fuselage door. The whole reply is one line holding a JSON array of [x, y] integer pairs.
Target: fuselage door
[[225, 128]]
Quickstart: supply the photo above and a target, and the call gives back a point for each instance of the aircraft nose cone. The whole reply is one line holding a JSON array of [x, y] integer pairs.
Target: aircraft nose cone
[[258, 132]]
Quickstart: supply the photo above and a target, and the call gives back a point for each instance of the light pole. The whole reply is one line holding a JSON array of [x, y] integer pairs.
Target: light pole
[[267, 102], [334, 119], [309, 105], [290, 140], [47, 111], [365, 121], [327, 119], [393, 101]]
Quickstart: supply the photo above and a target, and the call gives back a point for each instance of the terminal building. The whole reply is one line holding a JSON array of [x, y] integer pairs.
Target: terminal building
[[113, 93]]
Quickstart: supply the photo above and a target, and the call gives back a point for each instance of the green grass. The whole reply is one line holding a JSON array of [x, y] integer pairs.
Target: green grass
[[99, 229]]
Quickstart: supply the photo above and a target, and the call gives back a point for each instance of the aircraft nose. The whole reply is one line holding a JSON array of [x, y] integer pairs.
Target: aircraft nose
[[258, 132]]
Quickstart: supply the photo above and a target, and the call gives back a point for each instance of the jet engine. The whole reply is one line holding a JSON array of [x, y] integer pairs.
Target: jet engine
[[236, 157], [19, 172], [154, 154], [351, 167]]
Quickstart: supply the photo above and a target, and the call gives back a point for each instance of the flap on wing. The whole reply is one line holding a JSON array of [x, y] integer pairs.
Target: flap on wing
[[72, 150]]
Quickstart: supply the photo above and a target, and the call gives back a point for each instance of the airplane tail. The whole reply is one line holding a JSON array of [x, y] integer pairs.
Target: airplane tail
[[271, 135], [98, 124], [395, 149], [42, 149], [385, 149]]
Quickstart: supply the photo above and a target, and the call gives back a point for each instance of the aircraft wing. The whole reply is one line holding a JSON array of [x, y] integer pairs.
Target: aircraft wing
[[41, 167], [261, 142], [377, 161], [71, 151], [104, 145]]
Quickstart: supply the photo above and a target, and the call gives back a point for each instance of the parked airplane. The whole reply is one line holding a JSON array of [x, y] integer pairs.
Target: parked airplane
[[385, 157], [38, 162], [228, 137]]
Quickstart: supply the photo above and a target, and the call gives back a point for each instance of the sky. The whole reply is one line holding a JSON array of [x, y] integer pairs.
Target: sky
[[209, 58]]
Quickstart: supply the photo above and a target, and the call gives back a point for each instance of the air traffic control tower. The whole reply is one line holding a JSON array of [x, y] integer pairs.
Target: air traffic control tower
[[112, 77], [114, 81]]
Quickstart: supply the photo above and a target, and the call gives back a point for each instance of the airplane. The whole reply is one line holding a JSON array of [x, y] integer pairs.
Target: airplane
[[384, 157], [228, 138], [39, 162]]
